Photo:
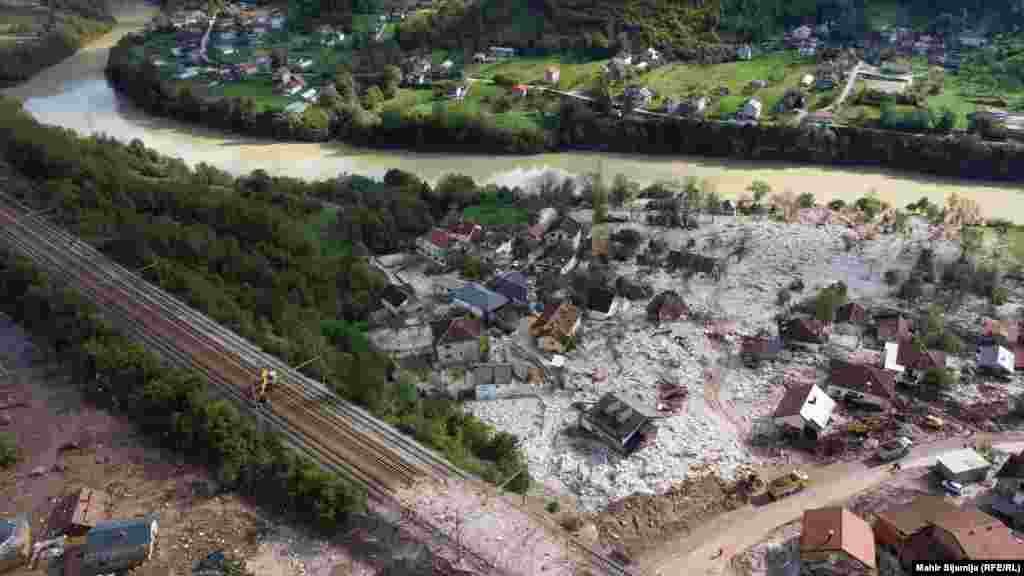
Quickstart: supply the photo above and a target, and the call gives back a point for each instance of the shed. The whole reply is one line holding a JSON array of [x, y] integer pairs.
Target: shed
[[615, 422], [963, 466], [119, 545], [478, 300]]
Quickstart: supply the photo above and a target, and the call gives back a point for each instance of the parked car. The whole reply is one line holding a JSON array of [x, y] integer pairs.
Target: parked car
[[894, 449], [791, 483], [954, 488]]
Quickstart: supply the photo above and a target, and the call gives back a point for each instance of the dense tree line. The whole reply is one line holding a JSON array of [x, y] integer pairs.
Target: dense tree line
[[172, 406], [956, 156], [19, 62], [234, 248]]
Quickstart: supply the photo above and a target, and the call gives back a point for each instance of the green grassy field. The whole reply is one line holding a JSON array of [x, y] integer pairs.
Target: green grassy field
[[495, 213], [781, 70], [531, 71]]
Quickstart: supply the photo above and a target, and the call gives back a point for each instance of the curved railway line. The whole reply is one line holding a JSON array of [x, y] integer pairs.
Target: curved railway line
[[341, 437]]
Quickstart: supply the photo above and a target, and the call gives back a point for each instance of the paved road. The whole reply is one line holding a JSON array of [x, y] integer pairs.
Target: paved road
[[740, 529]]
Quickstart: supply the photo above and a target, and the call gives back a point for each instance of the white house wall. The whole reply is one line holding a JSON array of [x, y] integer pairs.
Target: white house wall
[[820, 412]]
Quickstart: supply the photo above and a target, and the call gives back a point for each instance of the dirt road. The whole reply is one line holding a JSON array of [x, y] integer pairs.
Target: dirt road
[[734, 532]]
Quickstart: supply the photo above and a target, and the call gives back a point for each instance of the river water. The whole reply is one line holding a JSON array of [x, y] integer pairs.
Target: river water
[[74, 94]]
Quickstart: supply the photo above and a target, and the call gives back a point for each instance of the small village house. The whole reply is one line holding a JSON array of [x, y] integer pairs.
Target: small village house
[[805, 409], [514, 286], [602, 303], [521, 90], [932, 529], [459, 92], [555, 326], [480, 301], [757, 349], [460, 342], [751, 110], [836, 541], [851, 312], [801, 33], [435, 245], [965, 466], [744, 52], [667, 306], [552, 75], [807, 81], [806, 330], [996, 359], [894, 328], [615, 422], [875, 384], [119, 545]]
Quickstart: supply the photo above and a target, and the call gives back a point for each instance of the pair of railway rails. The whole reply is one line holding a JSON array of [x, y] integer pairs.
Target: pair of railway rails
[[339, 436]]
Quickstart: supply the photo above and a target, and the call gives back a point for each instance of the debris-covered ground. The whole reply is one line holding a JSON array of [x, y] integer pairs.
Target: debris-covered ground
[[710, 433]]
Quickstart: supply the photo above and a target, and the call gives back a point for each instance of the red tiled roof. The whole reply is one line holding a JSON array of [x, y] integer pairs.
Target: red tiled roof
[[465, 229], [869, 379], [893, 329], [463, 329], [440, 238], [908, 357], [838, 529], [916, 515]]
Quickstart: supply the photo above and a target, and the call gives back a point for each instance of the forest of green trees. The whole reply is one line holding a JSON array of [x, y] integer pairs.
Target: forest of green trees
[[235, 249]]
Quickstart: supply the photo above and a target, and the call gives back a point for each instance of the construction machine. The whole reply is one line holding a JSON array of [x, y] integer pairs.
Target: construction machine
[[791, 483], [266, 382]]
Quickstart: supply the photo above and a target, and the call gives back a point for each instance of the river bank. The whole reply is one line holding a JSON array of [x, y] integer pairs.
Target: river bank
[[74, 94]]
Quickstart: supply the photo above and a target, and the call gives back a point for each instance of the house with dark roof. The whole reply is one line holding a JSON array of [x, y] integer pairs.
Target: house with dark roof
[[615, 422], [602, 303], [568, 232], [851, 312], [757, 349], [512, 285], [869, 383], [1008, 496], [996, 359], [483, 303], [807, 330], [118, 545], [460, 342], [836, 541], [893, 329], [666, 307], [435, 245], [805, 409], [911, 358], [393, 298], [933, 529]]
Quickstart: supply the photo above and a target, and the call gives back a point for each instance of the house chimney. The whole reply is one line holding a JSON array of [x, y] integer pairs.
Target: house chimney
[[831, 533]]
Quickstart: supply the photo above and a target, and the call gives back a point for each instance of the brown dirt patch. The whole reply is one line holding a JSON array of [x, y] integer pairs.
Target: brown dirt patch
[[640, 522]]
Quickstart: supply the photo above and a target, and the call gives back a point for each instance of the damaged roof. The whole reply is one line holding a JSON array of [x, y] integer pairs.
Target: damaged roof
[[462, 330], [916, 515], [863, 377], [1013, 467], [616, 418]]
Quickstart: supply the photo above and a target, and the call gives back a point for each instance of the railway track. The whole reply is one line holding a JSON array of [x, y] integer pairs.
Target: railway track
[[343, 438]]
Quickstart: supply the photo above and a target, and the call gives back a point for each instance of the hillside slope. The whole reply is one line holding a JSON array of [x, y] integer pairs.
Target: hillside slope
[[561, 24]]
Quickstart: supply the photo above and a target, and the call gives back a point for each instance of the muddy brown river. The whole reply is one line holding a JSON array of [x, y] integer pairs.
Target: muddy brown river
[[74, 94]]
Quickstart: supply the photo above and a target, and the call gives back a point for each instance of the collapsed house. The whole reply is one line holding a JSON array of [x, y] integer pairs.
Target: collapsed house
[[615, 422]]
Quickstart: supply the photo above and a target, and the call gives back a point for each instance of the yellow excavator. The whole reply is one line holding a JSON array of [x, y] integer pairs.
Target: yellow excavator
[[268, 378]]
